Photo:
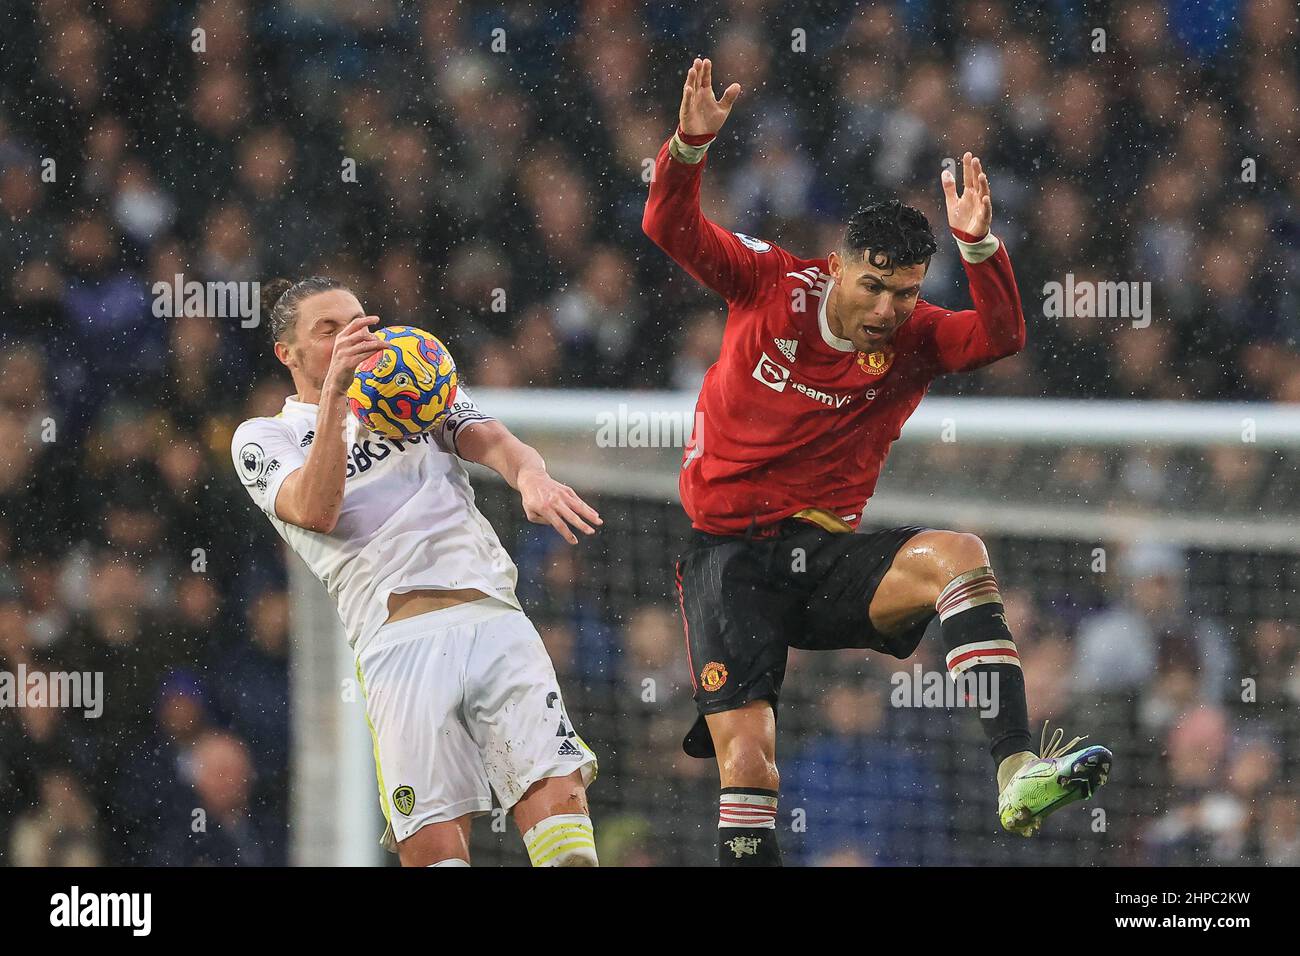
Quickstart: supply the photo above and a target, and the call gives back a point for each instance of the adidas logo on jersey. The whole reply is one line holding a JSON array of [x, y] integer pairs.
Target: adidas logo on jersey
[[787, 347], [568, 750]]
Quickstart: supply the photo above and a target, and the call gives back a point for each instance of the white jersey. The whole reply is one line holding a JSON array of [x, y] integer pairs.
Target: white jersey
[[408, 519]]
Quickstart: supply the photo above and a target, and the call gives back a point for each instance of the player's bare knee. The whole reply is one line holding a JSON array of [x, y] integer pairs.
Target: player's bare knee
[[962, 552], [747, 764], [934, 558], [436, 844], [557, 795]]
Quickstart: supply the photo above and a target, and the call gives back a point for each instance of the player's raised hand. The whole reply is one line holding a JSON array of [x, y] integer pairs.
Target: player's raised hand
[[972, 212], [351, 347], [701, 113], [547, 501]]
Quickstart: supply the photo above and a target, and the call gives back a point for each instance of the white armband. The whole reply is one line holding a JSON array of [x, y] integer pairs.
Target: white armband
[[685, 152], [977, 252]]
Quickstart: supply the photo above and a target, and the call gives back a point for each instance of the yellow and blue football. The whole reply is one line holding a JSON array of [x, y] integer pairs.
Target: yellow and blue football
[[407, 387]]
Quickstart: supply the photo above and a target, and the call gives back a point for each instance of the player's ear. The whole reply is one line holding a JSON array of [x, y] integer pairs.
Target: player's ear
[[283, 354], [836, 265]]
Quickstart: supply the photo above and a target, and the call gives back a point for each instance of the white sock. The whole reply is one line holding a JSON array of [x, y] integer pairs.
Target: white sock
[[566, 839], [1009, 765]]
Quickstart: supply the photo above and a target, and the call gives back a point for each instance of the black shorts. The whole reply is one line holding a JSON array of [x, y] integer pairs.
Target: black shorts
[[746, 601]]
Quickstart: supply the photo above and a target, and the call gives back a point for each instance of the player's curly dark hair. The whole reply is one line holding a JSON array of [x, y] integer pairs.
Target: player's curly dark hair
[[893, 234], [280, 299]]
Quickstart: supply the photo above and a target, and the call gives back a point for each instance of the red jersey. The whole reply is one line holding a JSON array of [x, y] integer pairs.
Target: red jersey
[[791, 416]]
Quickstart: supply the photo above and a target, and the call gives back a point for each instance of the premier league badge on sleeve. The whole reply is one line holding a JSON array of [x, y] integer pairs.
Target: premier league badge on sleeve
[[758, 245], [251, 462]]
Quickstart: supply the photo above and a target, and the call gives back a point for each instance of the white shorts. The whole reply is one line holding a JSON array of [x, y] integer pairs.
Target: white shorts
[[463, 702]]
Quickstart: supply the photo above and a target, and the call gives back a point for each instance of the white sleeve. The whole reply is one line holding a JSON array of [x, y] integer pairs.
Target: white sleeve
[[265, 452], [463, 412]]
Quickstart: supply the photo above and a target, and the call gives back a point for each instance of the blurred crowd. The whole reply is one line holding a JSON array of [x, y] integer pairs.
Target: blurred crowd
[[478, 169], [123, 554]]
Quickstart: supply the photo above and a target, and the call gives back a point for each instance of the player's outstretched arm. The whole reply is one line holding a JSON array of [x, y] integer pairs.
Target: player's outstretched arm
[[545, 500], [995, 328], [673, 218], [312, 496]]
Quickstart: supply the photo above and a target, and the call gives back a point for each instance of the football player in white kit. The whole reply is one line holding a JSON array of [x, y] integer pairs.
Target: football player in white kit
[[460, 693]]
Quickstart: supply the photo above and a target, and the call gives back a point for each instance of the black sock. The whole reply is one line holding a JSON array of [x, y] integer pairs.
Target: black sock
[[747, 827], [980, 646]]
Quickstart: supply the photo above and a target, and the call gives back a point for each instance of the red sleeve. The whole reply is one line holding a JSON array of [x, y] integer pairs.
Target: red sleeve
[[715, 257], [994, 329]]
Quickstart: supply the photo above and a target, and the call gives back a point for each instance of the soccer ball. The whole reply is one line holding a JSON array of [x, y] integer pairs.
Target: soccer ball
[[405, 388]]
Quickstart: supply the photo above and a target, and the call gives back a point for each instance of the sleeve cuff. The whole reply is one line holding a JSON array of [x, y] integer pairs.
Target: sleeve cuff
[[696, 139], [689, 148], [275, 483], [977, 251]]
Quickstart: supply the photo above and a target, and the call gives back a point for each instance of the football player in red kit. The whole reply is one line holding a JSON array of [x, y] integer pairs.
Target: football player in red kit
[[822, 361]]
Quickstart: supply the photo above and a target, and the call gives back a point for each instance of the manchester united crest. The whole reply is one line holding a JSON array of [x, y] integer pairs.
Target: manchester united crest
[[877, 362], [713, 676]]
